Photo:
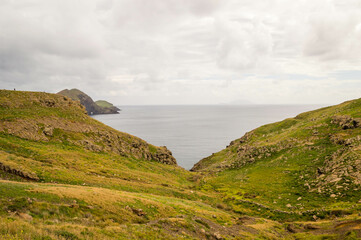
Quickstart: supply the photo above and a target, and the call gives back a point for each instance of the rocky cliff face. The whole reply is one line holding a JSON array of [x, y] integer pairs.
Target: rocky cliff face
[[90, 105], [52, 117]]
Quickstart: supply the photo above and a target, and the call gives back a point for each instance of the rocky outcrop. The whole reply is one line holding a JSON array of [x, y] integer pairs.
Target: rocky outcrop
[[244, 153], [18, 172], [346, 122], [164, 155], [340, 173], [91, 106]]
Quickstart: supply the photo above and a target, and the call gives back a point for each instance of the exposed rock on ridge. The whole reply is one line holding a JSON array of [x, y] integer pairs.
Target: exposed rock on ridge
[[24, 174]]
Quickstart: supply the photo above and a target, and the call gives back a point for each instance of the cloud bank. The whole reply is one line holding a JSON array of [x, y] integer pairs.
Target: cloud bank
[[184, 52]]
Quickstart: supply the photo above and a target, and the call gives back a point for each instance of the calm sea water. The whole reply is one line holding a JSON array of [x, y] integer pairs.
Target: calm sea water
[[195, 132]]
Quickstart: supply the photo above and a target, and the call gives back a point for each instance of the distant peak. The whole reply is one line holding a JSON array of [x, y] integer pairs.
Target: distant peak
[[98, 107]]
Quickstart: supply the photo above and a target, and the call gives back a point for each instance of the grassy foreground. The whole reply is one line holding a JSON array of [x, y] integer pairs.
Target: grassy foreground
[[64, 175]]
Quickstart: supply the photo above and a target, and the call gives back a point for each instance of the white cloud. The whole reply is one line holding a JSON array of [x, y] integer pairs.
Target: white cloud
[[334, 35], [244, 45], [191, 51]]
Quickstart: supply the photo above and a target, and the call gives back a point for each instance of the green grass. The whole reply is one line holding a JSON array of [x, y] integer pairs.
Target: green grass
[[280, 169], [99, 192], [85, 194], [103, 103]]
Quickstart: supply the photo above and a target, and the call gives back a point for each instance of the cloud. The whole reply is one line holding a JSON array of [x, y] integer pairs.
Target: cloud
[[334, 36], [200, 51], [245, 45]]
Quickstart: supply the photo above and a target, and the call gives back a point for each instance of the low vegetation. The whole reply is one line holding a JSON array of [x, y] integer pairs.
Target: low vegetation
[[64, 175], [306, 168]]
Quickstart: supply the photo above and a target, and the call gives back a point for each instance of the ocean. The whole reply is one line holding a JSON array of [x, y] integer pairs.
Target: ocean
[[195, 132]]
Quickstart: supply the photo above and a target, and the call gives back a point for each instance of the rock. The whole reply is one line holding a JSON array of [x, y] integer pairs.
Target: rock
[[289, 205], [346, 122], [217, 236], [203, 231], [74, 204], [49, 102], [333, 195], [139, 212], [18, 172], [48, 131], [298, 199], [163, 155], [292, 228]]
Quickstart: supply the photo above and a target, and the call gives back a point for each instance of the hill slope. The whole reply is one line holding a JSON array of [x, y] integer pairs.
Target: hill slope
[[64, 175], [308, 165], [99, 107], [105, 104], [58, 119]]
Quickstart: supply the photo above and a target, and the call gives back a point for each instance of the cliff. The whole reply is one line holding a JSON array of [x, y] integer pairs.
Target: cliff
[[99, 107]]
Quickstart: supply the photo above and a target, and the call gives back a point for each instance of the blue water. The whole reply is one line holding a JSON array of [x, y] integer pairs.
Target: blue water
[[195, 132]]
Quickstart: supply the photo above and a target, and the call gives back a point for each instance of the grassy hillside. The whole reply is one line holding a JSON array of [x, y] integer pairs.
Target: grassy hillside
[[64, 175], [107, 105], [307, 167], [103, 103], [57, 119]]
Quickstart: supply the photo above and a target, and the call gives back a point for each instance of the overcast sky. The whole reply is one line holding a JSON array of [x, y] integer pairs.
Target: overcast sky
[[184, 51]]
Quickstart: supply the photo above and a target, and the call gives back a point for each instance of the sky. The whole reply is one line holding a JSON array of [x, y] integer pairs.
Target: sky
[[137, 52]]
